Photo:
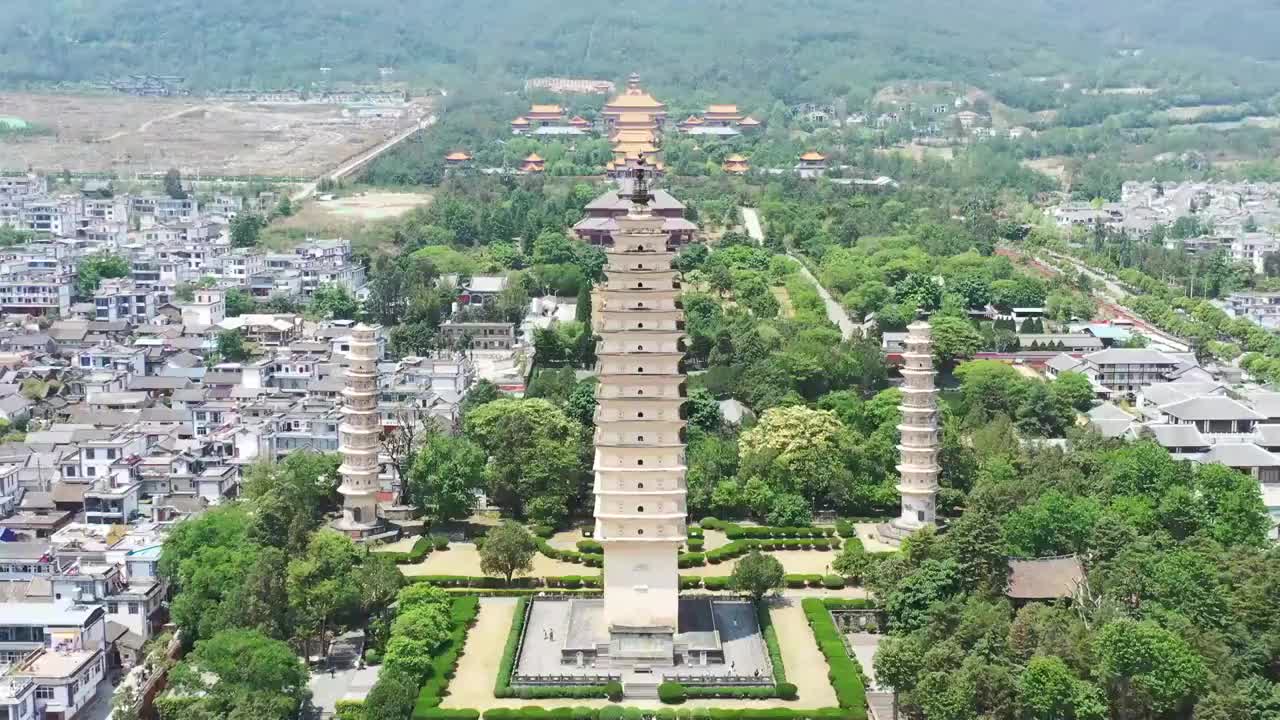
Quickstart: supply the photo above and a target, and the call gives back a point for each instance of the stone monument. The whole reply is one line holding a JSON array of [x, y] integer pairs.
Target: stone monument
[[359, 439], [918, 449]]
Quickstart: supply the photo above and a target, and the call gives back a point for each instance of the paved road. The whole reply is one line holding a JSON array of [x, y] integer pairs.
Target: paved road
[[1116, 293], [835, 311], [364, 158]]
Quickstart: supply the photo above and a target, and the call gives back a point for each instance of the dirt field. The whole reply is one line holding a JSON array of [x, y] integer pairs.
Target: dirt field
[[368, 205], [1055, 166], [919, 152], [138, 135]]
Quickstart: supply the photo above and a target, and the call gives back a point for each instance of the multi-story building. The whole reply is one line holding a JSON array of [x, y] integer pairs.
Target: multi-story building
[[124, 300], [600, 222], [36, 292], [480, 335], [640, 506], [61, 648], [164, 209], [207, 306]]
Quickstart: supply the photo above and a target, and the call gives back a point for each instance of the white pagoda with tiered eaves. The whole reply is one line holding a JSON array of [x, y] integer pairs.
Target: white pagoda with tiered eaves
[[918, 448], [639, 489], [358, 439]]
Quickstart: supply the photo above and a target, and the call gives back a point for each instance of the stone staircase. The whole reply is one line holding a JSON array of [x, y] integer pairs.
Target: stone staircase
[[640, 685]]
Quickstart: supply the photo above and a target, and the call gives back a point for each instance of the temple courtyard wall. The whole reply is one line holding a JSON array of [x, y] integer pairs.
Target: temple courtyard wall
[[473, 683]]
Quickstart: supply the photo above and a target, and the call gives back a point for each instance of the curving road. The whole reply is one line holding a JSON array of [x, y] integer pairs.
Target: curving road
[[835, 311]]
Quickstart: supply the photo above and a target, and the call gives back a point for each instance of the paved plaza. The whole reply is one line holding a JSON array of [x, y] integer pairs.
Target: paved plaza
[[472, 685], [553, 622]]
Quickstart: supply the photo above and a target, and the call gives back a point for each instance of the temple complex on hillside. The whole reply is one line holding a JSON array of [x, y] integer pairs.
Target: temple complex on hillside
[[719, 120], [812, 164], [642, 632], [736, 165], [533, 164], [633, 101], [601, 222], [457, 159]]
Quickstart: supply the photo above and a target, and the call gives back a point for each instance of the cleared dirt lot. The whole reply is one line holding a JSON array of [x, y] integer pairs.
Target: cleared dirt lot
[[129, 135]]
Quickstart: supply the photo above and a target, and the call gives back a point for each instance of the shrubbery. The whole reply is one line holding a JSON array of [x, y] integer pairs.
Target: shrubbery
[[671, 693], [463, 612], [613, 691], [502, 686], [421, 549], [765, 620], [715, 583], [735, 531], [843, 671], [833, 582]]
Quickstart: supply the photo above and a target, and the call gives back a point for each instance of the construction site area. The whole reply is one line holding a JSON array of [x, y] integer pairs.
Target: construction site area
[[213, 138]]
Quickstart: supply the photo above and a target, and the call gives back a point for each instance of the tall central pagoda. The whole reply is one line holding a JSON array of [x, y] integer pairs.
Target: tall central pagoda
[[640, 509]]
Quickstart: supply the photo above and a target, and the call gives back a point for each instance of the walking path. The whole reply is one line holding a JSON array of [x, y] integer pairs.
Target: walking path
[[472, 685], [835, 311]]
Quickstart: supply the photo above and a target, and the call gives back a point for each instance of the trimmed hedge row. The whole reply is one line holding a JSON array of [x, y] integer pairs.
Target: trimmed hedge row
[[735, 531], [738, 548], [765, 620], [507, 665], [730, 692], [463, 611], [843, 671], [436, 713], [581, 558], [570, 582], [617, 712], [421, 549]]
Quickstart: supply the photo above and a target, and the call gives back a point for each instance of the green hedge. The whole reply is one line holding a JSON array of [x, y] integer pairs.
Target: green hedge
[[833, 582], [590, 546], [349, 710], [507, 665], [715, 583], [738, 548], [843, 671], [435, 713], [735, 531], [443, 665], [730, 692], [765, 619], [671, 693], [690, 582], [617, 712], [691, 559], [590, 559], [496, 583], [694, 532], [421, 549]]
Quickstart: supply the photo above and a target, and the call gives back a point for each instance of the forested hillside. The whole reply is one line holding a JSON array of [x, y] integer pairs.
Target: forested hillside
[[800, 50]]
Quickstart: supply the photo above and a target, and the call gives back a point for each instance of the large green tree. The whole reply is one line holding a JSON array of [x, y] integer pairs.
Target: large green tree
[[445, 477], [536, 463]]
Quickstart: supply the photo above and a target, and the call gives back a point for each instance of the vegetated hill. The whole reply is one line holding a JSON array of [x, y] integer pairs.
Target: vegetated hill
[[793, 50]]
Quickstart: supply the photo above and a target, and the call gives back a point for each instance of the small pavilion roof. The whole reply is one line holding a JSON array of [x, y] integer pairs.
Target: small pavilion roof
[[458, 155], [520, 121], [748, 120], [813, 156]]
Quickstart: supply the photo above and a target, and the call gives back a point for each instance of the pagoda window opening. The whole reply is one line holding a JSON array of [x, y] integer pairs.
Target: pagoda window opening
[[639, 508], [639, 348], [639, 414], [639, 486], [639, 370], [640, 326], [640, 462], [640, 531], [639, 438]]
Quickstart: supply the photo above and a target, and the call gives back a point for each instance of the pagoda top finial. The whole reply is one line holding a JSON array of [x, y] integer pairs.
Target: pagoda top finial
[[640, 194], [633, 81]]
